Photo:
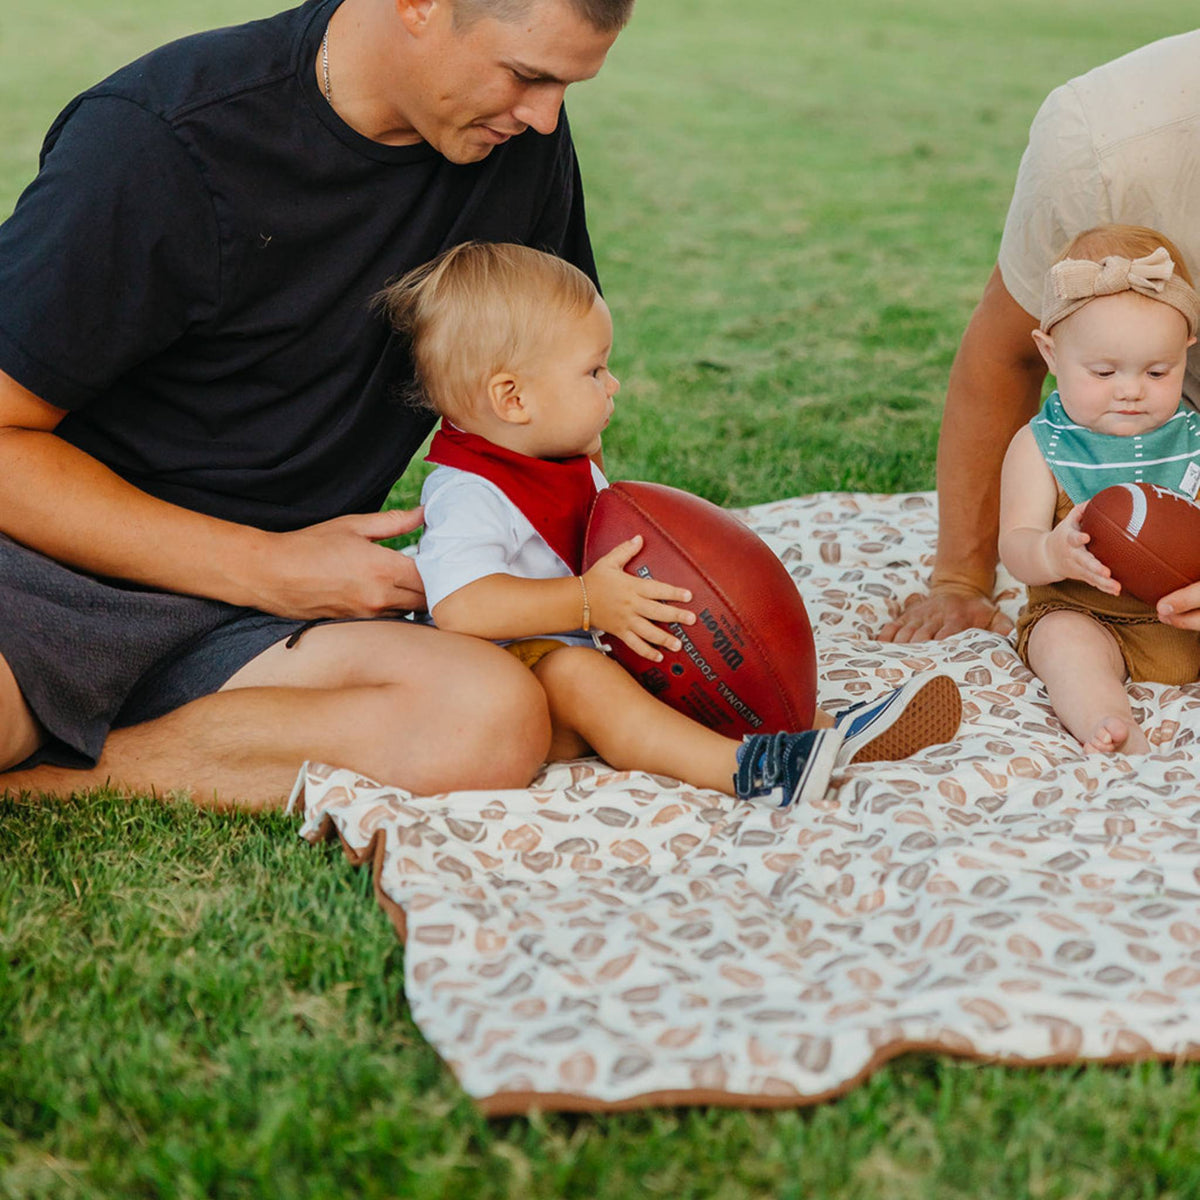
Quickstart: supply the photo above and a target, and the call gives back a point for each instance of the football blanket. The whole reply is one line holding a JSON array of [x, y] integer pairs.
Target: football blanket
[[605, 940]]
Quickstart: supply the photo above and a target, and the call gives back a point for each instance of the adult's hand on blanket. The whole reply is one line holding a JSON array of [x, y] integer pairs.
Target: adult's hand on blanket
[[945, 610], [336, 569], [632, 608], [1181, 608]]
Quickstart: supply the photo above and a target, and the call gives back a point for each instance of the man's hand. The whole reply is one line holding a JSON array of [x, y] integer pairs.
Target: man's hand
[[632, 608], [336, 569], [56, 499], [947, 609], [1182, 608]]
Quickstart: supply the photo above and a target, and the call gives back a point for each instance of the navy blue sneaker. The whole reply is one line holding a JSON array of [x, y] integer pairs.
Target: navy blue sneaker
[[781, 768], [925, 711]]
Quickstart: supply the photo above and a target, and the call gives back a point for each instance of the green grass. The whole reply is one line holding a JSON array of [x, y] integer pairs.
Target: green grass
[[794, 207], [198, 1005]]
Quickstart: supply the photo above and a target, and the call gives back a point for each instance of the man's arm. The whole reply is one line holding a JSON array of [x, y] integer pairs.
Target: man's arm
[[994, 388], [56, 499]]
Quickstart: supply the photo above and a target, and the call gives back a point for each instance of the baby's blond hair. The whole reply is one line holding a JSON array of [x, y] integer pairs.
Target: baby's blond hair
[[476, 310], [1129, 241], [1110, 259]]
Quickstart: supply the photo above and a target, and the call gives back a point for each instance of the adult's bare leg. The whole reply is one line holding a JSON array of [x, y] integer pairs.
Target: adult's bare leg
[[20, 734], [425, 710]]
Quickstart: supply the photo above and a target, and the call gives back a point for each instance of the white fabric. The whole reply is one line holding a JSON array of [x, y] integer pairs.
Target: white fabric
[[607, 938], [473, 530], [1119, 144]]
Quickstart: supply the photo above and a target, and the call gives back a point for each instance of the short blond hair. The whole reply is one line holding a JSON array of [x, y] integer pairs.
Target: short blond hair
[[476, 310], [1129, 241]]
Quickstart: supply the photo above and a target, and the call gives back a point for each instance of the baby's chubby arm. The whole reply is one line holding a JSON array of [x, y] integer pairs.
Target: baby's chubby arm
[[624, 605], [1033, 551]]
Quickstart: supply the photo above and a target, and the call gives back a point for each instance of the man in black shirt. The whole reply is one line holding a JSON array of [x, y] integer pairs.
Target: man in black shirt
[[199, 413]]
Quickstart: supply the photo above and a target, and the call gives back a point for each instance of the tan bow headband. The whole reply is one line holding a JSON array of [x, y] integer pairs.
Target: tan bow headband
[[1074, 282]]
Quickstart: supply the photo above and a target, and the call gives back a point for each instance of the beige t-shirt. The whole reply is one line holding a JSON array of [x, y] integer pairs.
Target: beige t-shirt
[[1121, 143]]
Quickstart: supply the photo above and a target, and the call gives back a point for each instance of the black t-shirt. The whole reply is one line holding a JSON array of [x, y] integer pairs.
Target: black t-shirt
[[190, 273]]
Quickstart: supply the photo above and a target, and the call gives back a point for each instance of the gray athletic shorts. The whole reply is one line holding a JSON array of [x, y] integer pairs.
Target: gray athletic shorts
[[93, 654]]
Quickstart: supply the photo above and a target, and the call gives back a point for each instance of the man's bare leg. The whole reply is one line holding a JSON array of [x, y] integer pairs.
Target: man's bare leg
[[20, 734], [425, 710]]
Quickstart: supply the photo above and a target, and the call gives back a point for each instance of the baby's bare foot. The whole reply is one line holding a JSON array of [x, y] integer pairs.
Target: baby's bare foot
[[1116, 735]]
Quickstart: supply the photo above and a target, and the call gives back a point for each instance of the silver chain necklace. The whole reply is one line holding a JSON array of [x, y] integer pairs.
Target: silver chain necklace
[[325, 65]]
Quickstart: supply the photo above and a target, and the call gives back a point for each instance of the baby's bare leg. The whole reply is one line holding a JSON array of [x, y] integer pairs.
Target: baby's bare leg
[[594, 703], [1079, 662]]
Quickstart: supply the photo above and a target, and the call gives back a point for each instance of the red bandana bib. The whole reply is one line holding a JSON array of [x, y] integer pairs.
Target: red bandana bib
[[555, 494]]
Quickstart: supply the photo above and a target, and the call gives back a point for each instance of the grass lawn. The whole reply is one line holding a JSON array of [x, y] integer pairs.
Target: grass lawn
[[794, 207]]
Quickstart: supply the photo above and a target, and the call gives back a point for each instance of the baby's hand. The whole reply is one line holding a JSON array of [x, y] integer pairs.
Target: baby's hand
[[1068, 556], [629, 607]]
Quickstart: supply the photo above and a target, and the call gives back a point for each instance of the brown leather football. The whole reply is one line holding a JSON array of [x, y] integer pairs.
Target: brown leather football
[[748, 664], [1147, 536]]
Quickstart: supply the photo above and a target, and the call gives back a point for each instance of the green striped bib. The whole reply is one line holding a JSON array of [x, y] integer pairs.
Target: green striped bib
[[1085, 462]]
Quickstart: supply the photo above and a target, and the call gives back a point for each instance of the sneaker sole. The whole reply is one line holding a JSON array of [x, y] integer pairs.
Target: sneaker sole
[[930, 718]]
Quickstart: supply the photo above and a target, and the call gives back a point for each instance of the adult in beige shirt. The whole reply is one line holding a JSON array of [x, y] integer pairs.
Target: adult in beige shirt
[[1119, 144]]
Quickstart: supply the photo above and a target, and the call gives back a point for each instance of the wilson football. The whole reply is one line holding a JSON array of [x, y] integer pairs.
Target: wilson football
[[1147, 536], [748, 664]]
